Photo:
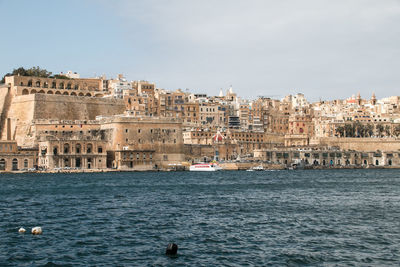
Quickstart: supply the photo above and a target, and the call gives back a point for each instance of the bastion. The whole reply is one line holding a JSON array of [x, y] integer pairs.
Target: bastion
[[25, 109]]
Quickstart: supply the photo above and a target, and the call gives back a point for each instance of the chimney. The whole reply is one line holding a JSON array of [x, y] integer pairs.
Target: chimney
[[8, 129]]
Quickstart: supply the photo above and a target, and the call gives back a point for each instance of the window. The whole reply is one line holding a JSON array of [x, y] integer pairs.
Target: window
[[137, 156], [2, 164], [138, 131], [99, 149]]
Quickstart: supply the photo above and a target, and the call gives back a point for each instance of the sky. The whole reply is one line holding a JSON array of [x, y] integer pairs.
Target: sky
[[323, 49]]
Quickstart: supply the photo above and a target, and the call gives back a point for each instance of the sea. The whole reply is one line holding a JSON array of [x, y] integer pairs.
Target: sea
[[227, 218]]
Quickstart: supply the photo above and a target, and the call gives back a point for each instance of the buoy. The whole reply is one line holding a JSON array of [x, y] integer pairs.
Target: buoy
[[172, 249], [22, 230], [37, 230]]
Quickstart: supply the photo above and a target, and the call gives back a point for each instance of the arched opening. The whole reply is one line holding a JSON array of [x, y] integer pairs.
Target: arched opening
[[30, 83], [323, 162], [58, 93], [21, 84], [55, 151], [78, 148], [2, 164], [45, 84], [76, 87], [376, 162], [61, 86], [53, 85], [25, 92], [25, 163], [49, 92], [66, 162], [88, 94], [69, 86], [38, 84], [81, 94], [33, 91], [89, 148], [73, 93], [365, 162], [14, 164], [78, 162], [390, 162], [89, 163], [41, 92], [65, 93], [66, 148]]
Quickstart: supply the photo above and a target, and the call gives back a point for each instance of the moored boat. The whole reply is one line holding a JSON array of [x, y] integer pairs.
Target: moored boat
[[205, 167]]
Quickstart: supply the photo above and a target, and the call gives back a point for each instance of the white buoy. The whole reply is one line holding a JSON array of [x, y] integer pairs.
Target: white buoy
[[37, 230], [21, 230]]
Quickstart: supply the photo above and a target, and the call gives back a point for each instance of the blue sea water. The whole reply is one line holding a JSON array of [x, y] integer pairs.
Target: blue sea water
[[275, 218]]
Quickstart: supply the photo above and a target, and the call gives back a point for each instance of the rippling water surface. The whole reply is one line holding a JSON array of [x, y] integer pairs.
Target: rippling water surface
[[289, 218]]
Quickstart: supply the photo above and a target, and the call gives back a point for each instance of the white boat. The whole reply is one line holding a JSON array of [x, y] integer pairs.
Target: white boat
[[205, 167], [256, 168]]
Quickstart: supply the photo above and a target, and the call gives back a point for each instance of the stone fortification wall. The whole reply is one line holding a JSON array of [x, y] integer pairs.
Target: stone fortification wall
[[27, 108], [358, 144]]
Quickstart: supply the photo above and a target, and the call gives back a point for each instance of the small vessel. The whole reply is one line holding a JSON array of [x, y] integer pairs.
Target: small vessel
[[205, 167], [256, 168]]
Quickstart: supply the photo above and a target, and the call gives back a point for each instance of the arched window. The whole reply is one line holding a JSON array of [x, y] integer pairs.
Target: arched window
[[14, 164], [78, 148], [2, 164], [25, 163], [376, 162], [89, 148], [53, 85], [38, 84], [61, 86], [55, 151], [69, 86], [30, 83], [45, 84], [66, 148], [25, 92], [76, 87]]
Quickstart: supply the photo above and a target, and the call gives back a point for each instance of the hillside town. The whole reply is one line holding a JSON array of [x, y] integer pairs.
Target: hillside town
[[65, 122]]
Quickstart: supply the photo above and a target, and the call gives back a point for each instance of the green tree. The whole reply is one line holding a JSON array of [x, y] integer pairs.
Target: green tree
[[396, 131], [379, 129], [340, 131], [34, 71], [387, 130]]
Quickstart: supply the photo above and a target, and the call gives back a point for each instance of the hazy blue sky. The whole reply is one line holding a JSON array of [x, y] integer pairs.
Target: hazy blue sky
[[324, 49]]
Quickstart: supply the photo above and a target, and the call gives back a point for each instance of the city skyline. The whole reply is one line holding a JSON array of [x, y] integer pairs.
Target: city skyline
[[321, 49]]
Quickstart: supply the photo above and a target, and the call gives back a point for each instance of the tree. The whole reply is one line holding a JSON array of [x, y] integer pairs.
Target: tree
[[369, 129], [387, 130], [34, 71], [340, 131], [379, 129], [396, 131]]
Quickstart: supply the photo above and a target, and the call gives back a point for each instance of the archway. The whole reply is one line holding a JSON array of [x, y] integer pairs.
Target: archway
[[73, 93], [49, 92], [81, 94], [25, 92], [2, 164], [58, 93], [14, 164], [65, 93], [88, 94], [41, 92], [33, 91]]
